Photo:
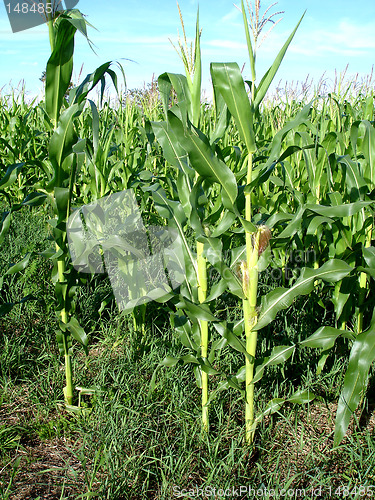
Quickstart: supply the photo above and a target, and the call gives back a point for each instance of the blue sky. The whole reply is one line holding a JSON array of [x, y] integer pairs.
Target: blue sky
[[136, 33]]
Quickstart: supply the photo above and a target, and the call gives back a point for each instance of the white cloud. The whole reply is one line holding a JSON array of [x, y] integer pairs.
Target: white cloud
[[227, 44], [9, 52], [135, 40], [29, 63], [233, 15], [345, 39]]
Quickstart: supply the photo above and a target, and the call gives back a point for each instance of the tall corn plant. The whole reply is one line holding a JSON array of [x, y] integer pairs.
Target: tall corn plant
[[188, 91], [66, 157], [193, 71], [228, 81], [190, 148]]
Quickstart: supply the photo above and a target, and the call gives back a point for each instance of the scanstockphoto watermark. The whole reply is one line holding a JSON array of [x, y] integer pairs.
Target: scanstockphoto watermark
[[294, 261], [241, 492], [329, 491], [26, 14], [144, 263], [147, 263]]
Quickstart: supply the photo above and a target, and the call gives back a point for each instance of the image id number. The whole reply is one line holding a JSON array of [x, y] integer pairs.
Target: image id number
[[26, 8]]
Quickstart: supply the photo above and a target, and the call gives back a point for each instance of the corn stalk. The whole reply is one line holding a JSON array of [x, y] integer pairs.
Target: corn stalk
[[66, 157]]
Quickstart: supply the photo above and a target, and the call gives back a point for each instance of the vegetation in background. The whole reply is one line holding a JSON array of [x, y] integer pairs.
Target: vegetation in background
[[273, 199]]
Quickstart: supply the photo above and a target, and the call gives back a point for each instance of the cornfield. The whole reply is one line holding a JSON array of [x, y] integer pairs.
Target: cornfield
[[243, 229]]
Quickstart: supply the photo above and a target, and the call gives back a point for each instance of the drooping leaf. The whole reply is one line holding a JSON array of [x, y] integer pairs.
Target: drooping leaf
[[325, 337], [227, 79], [278, 355], [281, 298], [179, 83], [361, 358], [11, 174], [204, 161], [78, 333]]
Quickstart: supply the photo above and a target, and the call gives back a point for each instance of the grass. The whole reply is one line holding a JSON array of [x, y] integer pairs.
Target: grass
[[128, 444]]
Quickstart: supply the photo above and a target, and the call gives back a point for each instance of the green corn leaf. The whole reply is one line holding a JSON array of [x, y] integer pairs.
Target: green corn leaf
[[216, 290], [222, 118], [213, 251], [183, 328], [277, 141], [62, 203], [20, 266], [368, 150], [189, 358], [272, 406], [281, 298], [368, 270], [170, 361], [207, 367], [11, 175], [294, 225], [34, 200], [248, 41], [61, 145], [78, 333], [173, 152], [361, 358], [59, 69], [64, 340], [184, 190], [95, 128], [173, 211], [302, 396], [225, 223], [205, 162], [344, 210], [299, 397], [276, 218], [265, 173], [228, 333], [165, 88], [5, 225], [316, 222], [343, 291], [356, 185], [197, 81], [230, 381], [180, 84], [6, 145], [325, 337], [78, 94], [270, 74], [366, 145], [228, 81], [8, 306], [369, 256], [198, 311], [75, 17], [278, 355]]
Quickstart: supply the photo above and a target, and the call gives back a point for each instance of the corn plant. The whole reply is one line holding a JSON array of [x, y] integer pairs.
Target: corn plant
[[188, 187], [66, 154], [65, 159], [245, 183], [334, 217], [187, 146]]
